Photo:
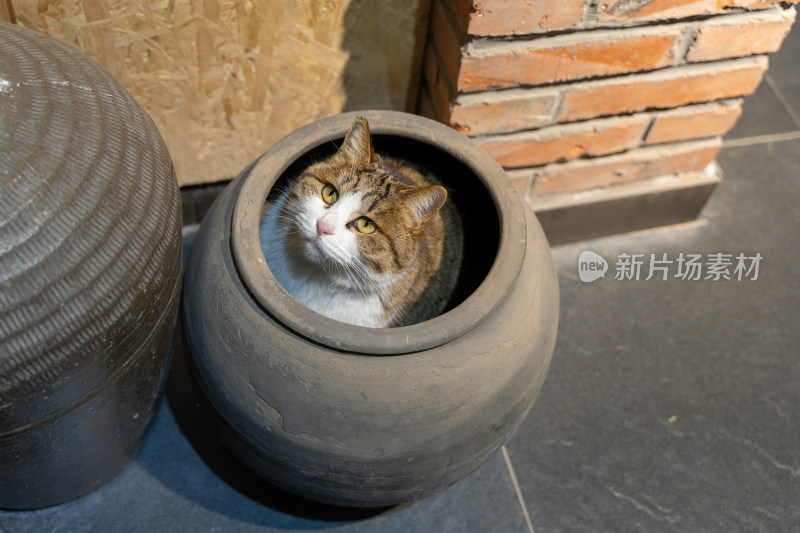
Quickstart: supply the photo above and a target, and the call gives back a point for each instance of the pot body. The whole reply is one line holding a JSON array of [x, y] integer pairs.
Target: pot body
[[313, 411], [90, 271]]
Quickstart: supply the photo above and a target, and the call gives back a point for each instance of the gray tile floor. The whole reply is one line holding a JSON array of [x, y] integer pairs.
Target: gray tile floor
[[669, 406]]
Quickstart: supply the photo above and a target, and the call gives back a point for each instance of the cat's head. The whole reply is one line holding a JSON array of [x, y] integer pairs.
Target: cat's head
[[355, 218]]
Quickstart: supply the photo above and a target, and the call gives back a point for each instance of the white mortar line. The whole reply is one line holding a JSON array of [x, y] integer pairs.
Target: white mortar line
[[517, 489]]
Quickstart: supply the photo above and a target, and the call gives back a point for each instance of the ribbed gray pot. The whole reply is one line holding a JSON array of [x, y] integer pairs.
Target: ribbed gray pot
[[372, 417], [90, 271]]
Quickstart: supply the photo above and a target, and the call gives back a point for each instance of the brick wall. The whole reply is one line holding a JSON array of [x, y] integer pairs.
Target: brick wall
[[607, 114]]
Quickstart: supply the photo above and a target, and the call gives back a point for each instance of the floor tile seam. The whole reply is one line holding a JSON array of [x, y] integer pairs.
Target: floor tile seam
[[782, 98], [517, 489], [761, 139]]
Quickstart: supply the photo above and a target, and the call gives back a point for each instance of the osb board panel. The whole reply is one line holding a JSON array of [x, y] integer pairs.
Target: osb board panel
[[225, 79]]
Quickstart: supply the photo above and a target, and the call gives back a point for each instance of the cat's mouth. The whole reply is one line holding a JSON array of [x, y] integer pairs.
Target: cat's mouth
[[314, 250], [318, 253]]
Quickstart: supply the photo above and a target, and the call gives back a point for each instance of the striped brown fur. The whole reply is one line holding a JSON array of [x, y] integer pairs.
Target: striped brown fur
[[408, 242]]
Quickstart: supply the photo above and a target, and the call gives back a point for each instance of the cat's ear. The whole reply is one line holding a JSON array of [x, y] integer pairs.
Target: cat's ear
[[357, 145], [424, 202]]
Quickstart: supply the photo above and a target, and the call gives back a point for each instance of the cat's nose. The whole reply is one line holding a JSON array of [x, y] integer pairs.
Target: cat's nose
[[324, 227]]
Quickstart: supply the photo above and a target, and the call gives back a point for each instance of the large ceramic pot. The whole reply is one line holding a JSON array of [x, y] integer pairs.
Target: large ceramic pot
[[90, 271], [372, 417]]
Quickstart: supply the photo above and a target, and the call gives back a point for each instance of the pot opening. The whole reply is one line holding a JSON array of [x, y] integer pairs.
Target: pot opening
[[472, 223]]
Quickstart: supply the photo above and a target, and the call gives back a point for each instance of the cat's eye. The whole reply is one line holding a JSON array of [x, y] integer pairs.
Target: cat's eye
[[329, 194], [365, 225]]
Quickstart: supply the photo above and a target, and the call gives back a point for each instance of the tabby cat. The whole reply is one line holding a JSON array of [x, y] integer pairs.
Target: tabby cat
[[358, 236]]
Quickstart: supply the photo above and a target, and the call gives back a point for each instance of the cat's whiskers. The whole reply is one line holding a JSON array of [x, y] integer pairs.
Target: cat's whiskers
[[324, 258], [340, 260], [349, 271], [367, 278], [354, 284], [340, 265]]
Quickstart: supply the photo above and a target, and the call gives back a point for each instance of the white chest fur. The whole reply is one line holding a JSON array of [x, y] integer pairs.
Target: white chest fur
[[308, 281]]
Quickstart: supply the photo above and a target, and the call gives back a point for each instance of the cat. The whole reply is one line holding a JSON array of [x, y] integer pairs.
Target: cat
[[357, 237]]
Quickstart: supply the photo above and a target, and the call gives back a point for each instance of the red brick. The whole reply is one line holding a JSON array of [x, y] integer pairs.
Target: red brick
[[753, 4], [446, 38], [631, 166], [627, 10], [508, 17], [560, 59], [502, 112], [646, 10], [694, 122], [735, 36], [562, 143], [662, 90]]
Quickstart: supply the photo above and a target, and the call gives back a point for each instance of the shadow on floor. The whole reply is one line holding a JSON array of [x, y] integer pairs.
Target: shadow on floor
[[195, 418]]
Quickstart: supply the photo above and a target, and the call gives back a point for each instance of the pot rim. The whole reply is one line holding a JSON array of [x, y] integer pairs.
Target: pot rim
[[248, 256]]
